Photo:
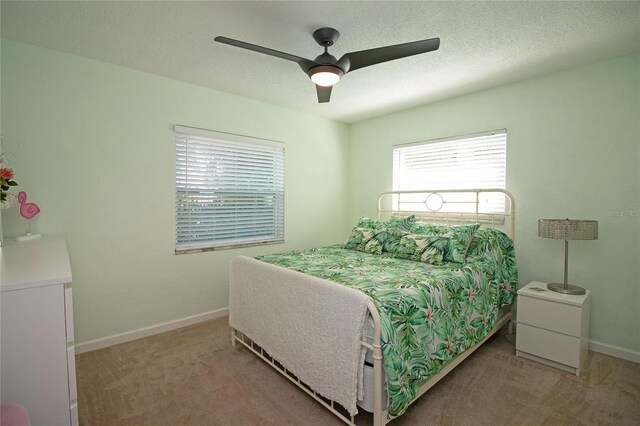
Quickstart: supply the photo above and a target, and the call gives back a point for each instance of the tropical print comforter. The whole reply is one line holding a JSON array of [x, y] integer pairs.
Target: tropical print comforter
[[429, 313]]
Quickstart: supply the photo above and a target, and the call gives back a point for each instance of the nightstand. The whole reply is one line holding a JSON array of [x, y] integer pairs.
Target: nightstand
[[553, 328]]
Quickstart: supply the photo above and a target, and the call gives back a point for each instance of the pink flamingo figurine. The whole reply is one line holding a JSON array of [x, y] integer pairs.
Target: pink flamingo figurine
[[27, 210]]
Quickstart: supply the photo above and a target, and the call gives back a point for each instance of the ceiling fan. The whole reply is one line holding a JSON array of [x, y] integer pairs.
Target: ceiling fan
[[326, 70]]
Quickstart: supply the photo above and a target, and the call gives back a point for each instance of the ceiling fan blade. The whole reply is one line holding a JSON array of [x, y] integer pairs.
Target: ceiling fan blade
[[305, 64], [324, 93], [364, 58]]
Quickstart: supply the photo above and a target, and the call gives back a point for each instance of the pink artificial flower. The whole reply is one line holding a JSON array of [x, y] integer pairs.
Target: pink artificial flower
[[6, 173]]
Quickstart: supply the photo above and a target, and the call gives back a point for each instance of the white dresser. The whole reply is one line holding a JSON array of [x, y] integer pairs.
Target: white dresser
[[37, 356], [553, 328]]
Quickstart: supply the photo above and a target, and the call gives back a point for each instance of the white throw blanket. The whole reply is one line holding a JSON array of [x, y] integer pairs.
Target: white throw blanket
[[313, 327]]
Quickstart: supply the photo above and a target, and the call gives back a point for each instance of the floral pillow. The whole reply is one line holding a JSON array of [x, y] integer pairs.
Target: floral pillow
[[461, 237], [493, 247], [402, 222], [367, 222], [423, 248], [364, 239], [387, 232], [394, 229], [490, 241]]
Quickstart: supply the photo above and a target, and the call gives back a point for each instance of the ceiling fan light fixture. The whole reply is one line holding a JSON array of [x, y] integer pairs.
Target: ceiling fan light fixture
[[325, 76], [325, 71]]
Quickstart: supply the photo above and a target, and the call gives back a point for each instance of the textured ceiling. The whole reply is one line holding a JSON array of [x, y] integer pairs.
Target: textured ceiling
[[483, 44]]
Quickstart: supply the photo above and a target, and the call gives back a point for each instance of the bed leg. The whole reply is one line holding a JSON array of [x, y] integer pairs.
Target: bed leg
[[233, 337], [510, 329], [379, 418]]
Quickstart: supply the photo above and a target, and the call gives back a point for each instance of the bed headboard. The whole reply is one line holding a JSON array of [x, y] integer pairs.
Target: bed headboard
[[490, 207]]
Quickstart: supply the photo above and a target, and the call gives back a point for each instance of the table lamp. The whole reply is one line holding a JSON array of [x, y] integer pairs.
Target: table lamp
[[567, 229]]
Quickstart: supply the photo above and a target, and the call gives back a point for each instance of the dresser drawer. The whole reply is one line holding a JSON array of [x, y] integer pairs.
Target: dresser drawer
[[561, 318], [547, 344]]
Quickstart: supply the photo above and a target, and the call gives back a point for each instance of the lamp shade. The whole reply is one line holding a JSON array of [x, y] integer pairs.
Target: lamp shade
[[568, 229]]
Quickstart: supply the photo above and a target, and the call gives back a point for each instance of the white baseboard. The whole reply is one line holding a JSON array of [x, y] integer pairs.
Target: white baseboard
[[116, 339], [92, 345], [616, 351]]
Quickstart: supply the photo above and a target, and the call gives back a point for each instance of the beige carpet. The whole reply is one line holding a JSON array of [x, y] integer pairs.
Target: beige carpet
[[193, 376]]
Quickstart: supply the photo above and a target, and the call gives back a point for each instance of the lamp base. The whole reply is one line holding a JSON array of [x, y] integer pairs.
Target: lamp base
[[571, 289]]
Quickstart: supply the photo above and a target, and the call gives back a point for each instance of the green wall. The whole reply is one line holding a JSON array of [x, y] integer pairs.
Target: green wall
[[573, 150], [92, 144]]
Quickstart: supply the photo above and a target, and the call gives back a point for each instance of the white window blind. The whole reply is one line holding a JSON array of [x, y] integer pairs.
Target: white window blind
[[475, 161], [229, 190]]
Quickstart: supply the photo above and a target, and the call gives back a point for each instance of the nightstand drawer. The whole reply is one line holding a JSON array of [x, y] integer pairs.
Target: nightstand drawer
[[549, 315], [547, 344]]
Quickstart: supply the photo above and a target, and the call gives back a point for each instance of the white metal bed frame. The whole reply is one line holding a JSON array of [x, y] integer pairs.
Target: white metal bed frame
[[435, 215]]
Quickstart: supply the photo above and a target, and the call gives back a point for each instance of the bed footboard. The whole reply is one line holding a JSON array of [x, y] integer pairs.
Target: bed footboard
[[283, 314], [379, 415]]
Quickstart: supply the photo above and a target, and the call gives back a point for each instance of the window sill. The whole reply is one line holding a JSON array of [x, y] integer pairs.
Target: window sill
[[188, 250]]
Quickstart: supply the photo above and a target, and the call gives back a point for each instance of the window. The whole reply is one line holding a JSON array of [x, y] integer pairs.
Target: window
[[229, 190], [475, 161]]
